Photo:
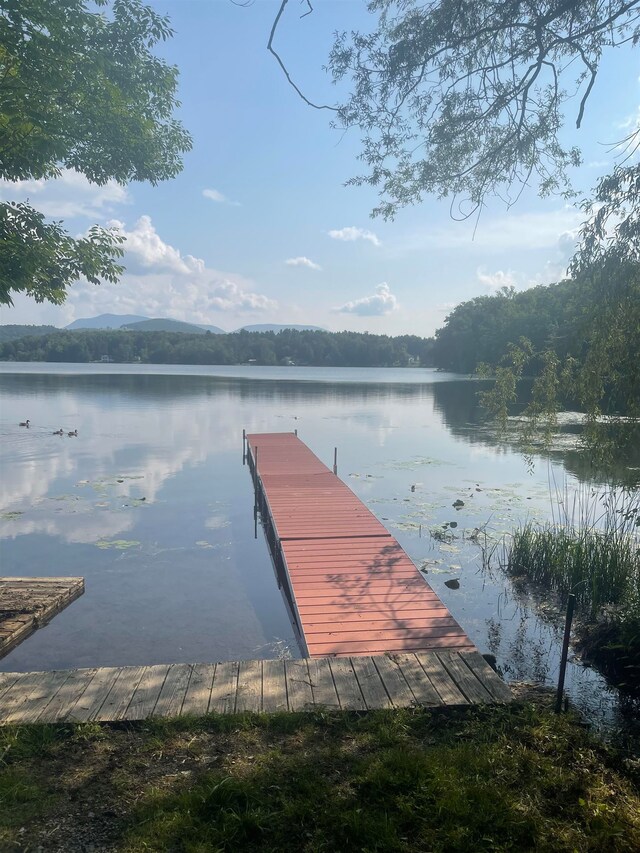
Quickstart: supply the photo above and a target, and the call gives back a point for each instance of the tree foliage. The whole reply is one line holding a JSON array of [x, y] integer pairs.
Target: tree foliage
[[331, 349], [463, 99], [579, 342], [80, 89]]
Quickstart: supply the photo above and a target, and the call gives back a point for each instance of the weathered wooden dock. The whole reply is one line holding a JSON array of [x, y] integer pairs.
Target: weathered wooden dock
[[111, 694], [29, 603], [351, 588]]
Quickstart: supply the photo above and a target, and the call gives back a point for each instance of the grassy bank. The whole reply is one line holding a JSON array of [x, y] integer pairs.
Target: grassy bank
[[516, 778], [592, 549]]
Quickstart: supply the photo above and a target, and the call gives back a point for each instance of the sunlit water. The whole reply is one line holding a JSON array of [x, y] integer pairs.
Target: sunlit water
[[152, 506]]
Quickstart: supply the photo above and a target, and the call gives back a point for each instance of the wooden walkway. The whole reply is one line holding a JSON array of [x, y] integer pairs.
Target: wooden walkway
[[29, 603], [435, 680], [350, 586]]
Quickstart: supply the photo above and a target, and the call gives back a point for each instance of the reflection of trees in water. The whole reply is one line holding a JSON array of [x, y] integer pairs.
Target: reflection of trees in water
[[457, 403], [163, 386]]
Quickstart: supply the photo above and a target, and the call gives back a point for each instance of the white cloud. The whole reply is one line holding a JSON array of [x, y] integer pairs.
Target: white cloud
[[216, 195], [146, 251], [302, 262], [351, 233], [160, 281], [67, 196], [380, 303], [497, 280]]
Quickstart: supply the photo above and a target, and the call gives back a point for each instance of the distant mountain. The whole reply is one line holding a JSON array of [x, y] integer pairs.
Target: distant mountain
[[279, 327], [159, 324], [106, 321], [140, 323], [12, 333]]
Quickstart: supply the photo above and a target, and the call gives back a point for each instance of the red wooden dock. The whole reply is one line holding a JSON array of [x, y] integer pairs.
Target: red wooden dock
[[350, 585]]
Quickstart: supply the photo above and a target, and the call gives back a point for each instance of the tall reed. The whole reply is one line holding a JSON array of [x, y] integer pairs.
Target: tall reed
[[590, 547]]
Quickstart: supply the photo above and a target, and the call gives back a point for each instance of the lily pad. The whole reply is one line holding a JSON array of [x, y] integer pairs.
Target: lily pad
[[117, 544]]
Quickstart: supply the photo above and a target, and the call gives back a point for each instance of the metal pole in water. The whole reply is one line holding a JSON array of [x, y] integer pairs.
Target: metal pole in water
[[244, 447], [565, 651], [335, 460], [255, 481]]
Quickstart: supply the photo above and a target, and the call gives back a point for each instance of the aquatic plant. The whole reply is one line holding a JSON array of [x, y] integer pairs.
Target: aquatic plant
[[590, 547]]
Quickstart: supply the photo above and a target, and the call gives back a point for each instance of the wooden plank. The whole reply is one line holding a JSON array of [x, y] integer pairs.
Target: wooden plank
[[89, 704], [118, 700], [274, 686], [299, 693], [249, 693], [370, 683], [196, 699], [322, 684], [41, 696], [173, 691], [66, 697], [464, 678], [145, 696], [349, 693], [392, 644], [14, 700], [490, 679], [417, 679], [225, 684], [7, 680], [441, 679], [394, 682]]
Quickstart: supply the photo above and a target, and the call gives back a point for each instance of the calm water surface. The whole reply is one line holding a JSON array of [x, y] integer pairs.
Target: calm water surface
[[152, 505]]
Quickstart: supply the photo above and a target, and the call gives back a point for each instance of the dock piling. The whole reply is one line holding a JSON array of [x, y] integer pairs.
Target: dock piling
[[565, 650], [335, 460]]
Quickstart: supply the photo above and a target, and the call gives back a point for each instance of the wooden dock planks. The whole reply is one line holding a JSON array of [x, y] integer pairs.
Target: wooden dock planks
[[354, 589], [29, 603], [356, 683]]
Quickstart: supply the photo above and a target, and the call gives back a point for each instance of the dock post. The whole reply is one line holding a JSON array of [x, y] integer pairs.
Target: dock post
[[295, 432], [565, 650], [244, 447], [255, 482], [335, 460]]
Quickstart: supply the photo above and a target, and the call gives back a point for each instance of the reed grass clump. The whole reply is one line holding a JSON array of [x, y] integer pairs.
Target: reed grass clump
[[591, 547]]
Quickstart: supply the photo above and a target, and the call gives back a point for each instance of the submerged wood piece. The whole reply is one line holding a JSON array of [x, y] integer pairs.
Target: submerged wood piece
[[29, 603], [351, 587], [359, 683]]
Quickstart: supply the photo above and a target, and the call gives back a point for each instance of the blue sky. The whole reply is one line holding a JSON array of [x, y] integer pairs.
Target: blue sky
[[259, 226]]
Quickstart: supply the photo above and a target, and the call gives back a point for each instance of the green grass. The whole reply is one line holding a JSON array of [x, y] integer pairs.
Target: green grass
[[516, 778]]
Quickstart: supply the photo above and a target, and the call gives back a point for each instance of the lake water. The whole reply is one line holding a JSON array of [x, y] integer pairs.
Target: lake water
[[152, 506]]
